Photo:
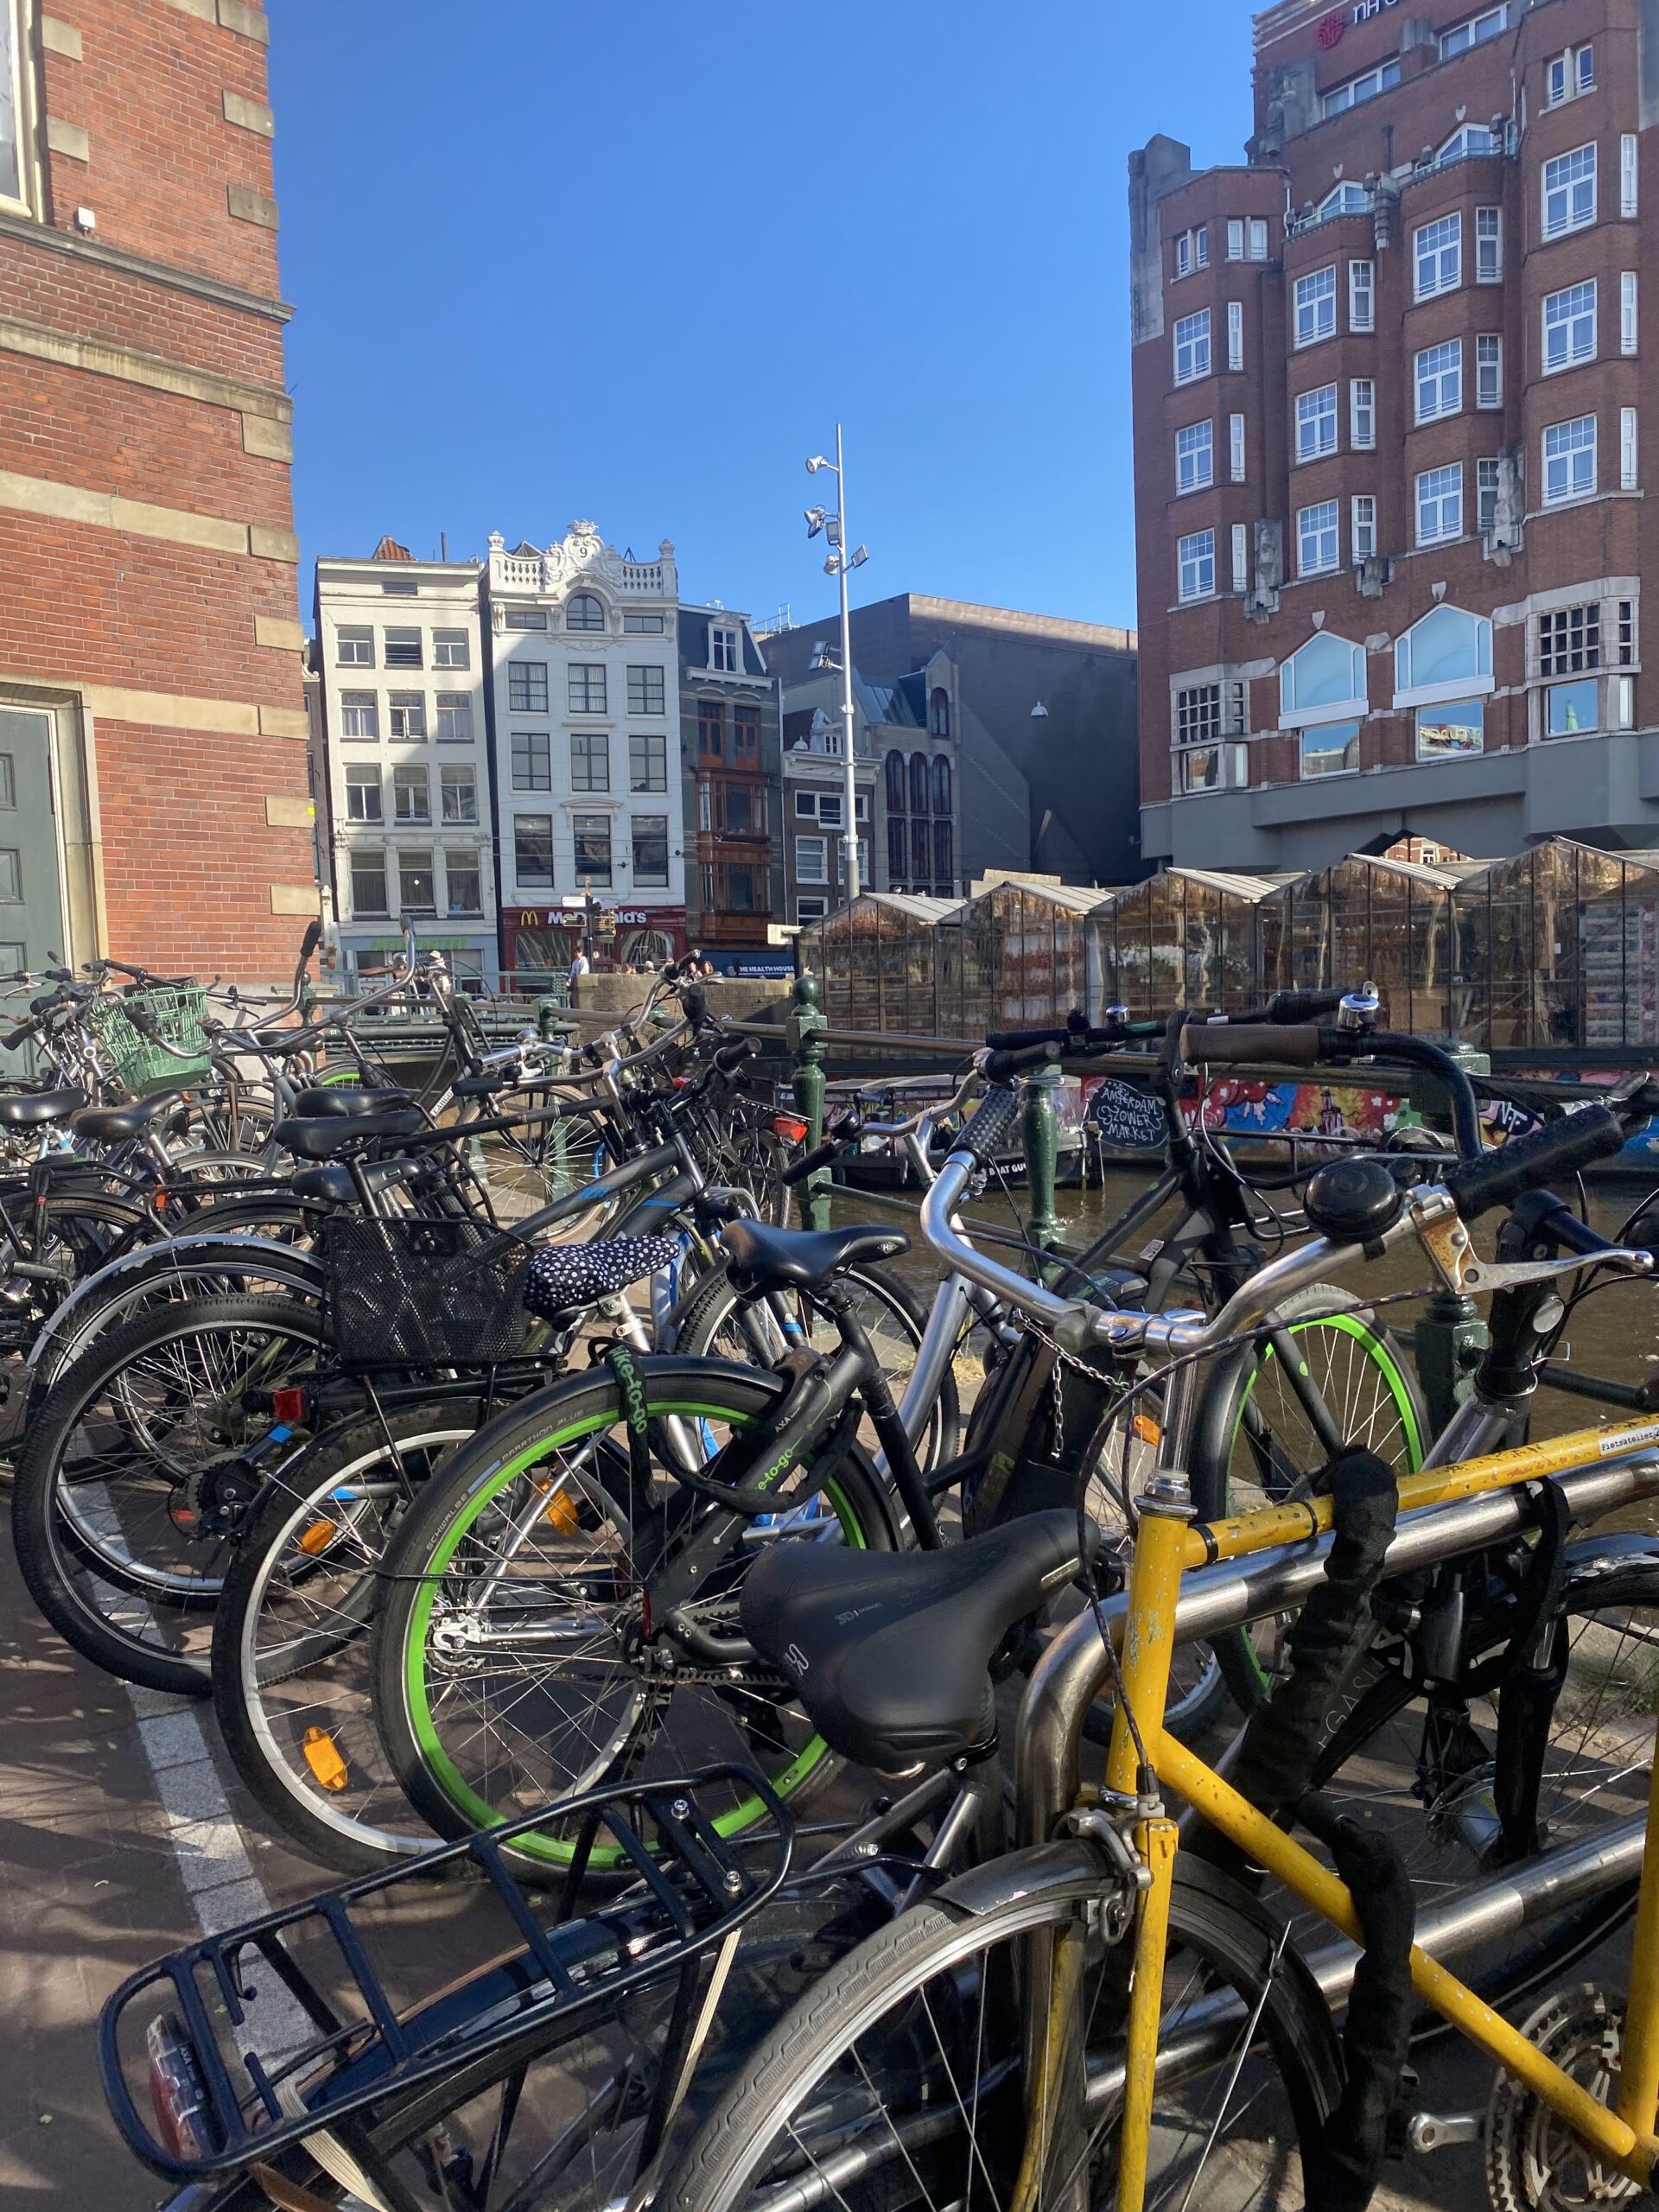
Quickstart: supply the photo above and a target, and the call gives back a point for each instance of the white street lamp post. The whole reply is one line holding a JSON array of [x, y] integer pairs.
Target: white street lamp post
[[841, 564]]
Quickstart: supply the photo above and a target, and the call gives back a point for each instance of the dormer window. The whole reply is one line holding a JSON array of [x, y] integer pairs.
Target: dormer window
[[724, 656]]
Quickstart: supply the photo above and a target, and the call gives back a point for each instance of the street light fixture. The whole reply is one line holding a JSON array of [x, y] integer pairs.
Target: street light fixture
[[840, 564]]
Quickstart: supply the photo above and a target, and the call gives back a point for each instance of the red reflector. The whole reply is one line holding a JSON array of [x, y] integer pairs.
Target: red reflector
[[788, 1127], [289, 1405]]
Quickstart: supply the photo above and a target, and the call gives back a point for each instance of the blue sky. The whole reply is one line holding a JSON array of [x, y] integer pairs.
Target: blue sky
[[629, 261]]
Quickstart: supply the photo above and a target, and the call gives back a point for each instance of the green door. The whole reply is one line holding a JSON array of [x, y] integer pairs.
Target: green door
[[31, 902]]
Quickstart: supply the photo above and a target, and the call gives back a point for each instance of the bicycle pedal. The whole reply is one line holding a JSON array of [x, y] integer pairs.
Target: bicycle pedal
[[1435, 2130]]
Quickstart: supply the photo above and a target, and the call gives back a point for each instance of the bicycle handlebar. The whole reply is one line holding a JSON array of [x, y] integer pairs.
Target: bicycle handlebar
[[1524, 1163]]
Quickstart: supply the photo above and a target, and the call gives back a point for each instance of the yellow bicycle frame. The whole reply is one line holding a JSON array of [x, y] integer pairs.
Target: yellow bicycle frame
[[1166, 1544]]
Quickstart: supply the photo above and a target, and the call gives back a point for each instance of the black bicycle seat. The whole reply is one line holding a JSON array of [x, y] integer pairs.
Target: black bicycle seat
[[801, 1257], [328, 1098], [27, 1109], [325, 1136], [334, 1184], [116, 1124], [563, 1278], [890, 1652]]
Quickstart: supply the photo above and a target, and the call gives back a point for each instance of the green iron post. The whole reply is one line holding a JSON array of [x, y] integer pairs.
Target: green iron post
[[1042, 1156], [805, 1025]]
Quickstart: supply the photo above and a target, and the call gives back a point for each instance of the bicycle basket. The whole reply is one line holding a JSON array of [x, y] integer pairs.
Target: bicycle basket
[[140, 1067], [414, 1294]]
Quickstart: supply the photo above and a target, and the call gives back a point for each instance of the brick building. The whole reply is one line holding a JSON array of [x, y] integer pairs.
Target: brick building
[[153, 795], [1388, 409], [729, 756]]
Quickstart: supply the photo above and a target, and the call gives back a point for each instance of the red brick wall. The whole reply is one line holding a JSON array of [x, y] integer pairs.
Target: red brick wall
[[188, 860]]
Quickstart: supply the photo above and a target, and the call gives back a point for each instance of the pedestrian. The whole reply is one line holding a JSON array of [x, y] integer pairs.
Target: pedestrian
[[579, 965]]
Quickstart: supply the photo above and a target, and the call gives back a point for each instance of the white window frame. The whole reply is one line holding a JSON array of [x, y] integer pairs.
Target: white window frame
[[1475, 31], [1437, 381], [1577, 191], [1258, 238], [351, 637], [1571, 315], [1629, 475], [1628, 323], [1241, 556], [1489, 478], [812, 849], [1202, 543], [1488, 245], [1195, 345], [1235, 448], [1443, 256], [1489, 370], [1235, 334], [365, 777], [1235, 238], [447, 645], [1320, 527], [1447, 487], [360, 718], [1365, 87], [1362, 509], [1316, 413], [1627, 158], [1362, 414], [1568, 448], [1361, 296], [450, 707], [1315, 307], [1195, 458], [725, 649]]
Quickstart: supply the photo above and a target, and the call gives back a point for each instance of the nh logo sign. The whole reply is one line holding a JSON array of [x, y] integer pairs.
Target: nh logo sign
[[1365, 9]]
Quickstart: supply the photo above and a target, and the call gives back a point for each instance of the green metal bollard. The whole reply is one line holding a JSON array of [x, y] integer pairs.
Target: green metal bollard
[[1042, 1157], [547, 1020], [806, 1021]]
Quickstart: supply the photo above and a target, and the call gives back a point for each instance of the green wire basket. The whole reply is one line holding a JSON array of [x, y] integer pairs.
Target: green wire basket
[[140, 1067]]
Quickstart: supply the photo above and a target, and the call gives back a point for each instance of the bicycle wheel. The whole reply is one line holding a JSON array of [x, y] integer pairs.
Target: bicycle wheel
[[898, 2081], [126, 1490], [721, 1324], [1264, 1425], [515, 1662], [293, 1682]]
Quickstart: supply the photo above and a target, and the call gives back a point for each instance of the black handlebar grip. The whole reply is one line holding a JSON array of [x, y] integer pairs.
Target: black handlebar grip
[[1525, 1163], [820, 1156], [987, 1134], [1257, 1045], [1302, 1005], [141, 1018], [310, 941], [997, 1067], [18, 1037]]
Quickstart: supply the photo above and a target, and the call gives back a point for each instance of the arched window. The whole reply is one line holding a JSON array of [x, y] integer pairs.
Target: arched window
[[1348, 199], [1474, 138], [938, 712], [898, 855], [895, 774], [1447, 647], [918, 783], [941, 785], [584, 612], [1324, 674]]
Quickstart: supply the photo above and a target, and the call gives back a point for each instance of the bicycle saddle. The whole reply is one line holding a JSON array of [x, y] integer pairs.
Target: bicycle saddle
[[800, 1257], [337, 1100], [324, 1136], [27, 1109], [890, 1652], [335, 1185], [563, 1278], [114, 1124]]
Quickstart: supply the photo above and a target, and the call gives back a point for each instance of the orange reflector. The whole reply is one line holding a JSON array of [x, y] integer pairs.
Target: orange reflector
[[789, 1126], [561, 1512], [318, 1537], [1147, 1429], [327, 1767]]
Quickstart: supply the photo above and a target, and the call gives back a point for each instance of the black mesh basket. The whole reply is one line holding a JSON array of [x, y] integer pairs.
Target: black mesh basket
[[414, 1293]]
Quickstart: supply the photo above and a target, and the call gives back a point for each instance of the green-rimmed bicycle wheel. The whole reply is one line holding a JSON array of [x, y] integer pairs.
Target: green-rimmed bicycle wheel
[[516, 1660]]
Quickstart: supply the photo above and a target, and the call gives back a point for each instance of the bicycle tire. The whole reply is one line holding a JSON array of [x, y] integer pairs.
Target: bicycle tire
[[448, 1517]]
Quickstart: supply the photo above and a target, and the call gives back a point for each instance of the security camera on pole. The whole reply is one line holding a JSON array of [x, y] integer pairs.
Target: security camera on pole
[[840, 564]]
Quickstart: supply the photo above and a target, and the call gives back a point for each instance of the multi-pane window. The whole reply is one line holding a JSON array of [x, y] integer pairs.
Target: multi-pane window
[[711, 729], [1440, 504], [1196, 556], [1380, 80], [360, 715], [363, 797], [368, 882], [454, 718], [1437, 257], [449, 649], [406, 715], [1192, 346], [647, 762], [1475, 32], [645, 691], [1241, 556], [1235, 333], [1626, 625], [1198, 714], [532, 760], [1627, 172], [1439, 380], [1570, 191], [1195, 464], [642, 625], [585, 687], [416, 893], [1235, 448], [403, 649], [1246, 239], [1364, 526], [746, 733], [463, 882], [590, 760], [400, 587], [1569, 73], [411, 795], [650, 851], [354, 648], [532, 848], [1569, 640], [812, 856], [1316, 538], [1199, 770], [723, 649], [1627, 322], [1488, 245], [1569, 460], [527, 687], [1362, 414], [1486, 480], [526, 618], [591, 834], [459, 788], [1361, 296], [1192, 250], [1316, 422], [1489, 371], [584, 612], [1316, 306], [1627, 456], [1569, 326]]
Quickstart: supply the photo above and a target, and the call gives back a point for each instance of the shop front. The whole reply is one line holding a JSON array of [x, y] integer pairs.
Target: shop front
[[539, 943], [471, 955]]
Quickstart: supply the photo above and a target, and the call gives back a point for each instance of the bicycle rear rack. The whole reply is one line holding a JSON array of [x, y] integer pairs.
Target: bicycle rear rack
[[242, 2102]]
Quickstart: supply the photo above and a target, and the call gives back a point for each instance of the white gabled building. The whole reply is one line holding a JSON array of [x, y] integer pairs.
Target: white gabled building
[[584, 722], [400, 669]]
